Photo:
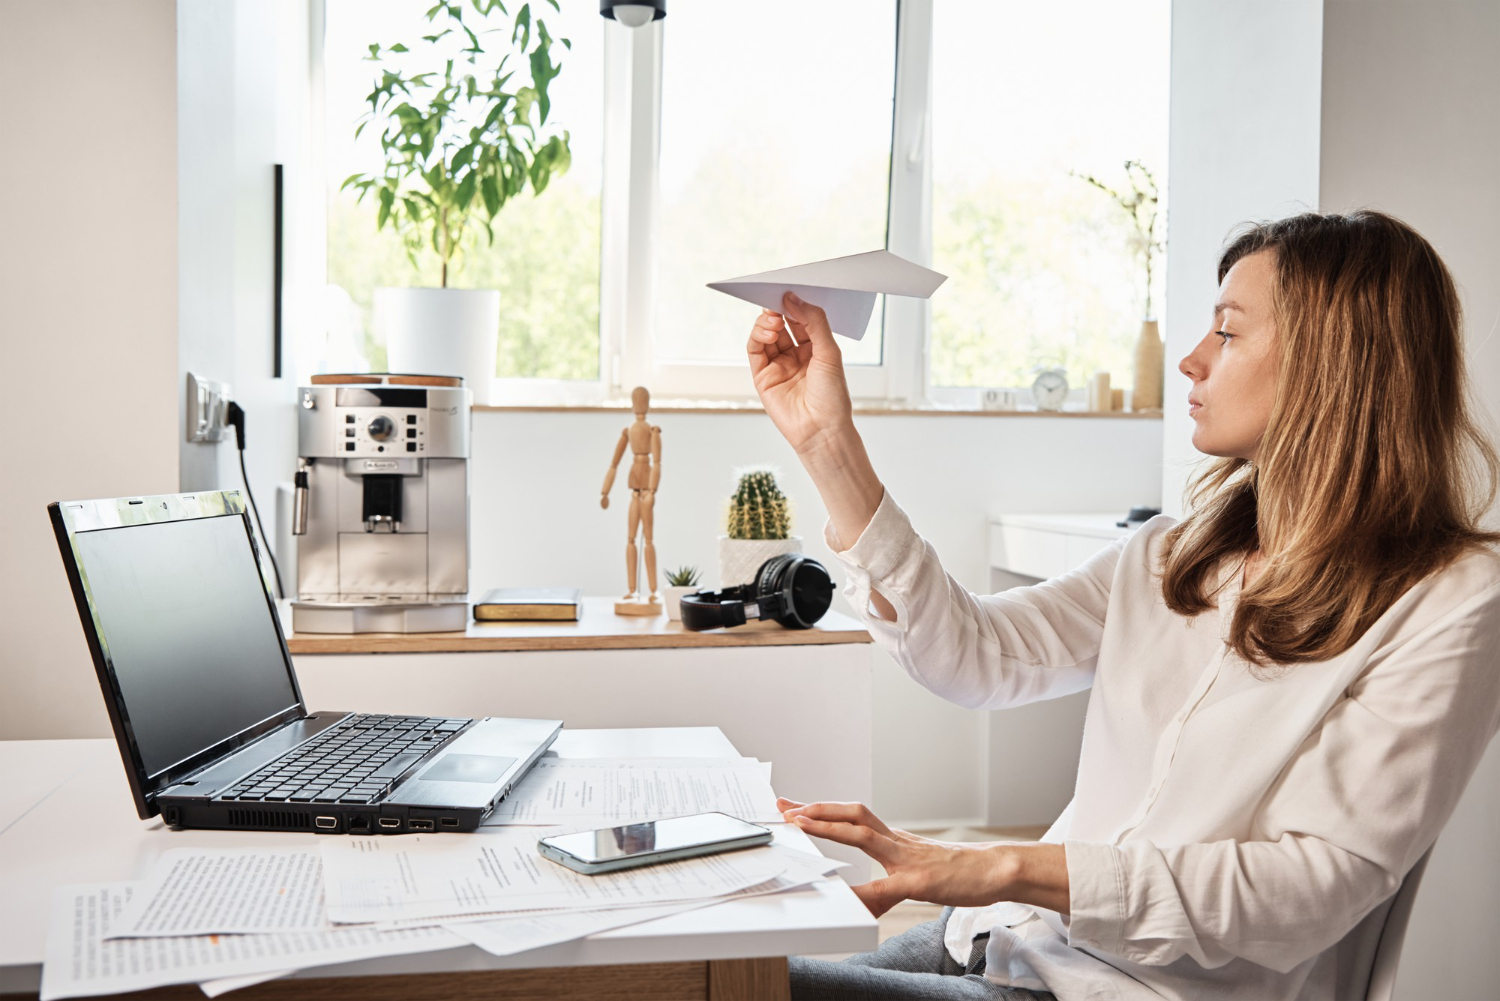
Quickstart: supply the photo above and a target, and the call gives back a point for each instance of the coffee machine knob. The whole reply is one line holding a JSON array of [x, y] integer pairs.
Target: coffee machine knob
[[382, 428]]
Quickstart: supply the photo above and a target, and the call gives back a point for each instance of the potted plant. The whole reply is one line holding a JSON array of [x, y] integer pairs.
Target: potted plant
[[1142, 203], [682, 581], [461, 135], [759, 526]]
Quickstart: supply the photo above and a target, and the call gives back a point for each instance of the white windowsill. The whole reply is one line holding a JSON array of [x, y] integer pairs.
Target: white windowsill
[[861, 409]]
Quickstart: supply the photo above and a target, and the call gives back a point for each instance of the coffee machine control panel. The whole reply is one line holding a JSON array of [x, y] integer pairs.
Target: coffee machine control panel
[[358, 422], [385, 433]]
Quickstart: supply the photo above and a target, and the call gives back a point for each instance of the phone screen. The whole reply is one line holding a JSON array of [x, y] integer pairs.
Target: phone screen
[[653, 836]]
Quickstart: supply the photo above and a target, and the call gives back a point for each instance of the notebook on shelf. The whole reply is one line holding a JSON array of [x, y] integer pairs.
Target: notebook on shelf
[[506, 604]]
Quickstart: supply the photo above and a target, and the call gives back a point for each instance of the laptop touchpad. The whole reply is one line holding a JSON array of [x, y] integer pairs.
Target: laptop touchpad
[[468, 768]]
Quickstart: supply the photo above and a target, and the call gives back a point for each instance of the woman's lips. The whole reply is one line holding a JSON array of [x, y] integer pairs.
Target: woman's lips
[[1193, 406]]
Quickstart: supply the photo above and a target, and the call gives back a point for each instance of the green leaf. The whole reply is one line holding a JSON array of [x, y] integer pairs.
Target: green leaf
[[350, 180], [490, 190], [398, 47], [387, 198], [466, 188], [523, 26]]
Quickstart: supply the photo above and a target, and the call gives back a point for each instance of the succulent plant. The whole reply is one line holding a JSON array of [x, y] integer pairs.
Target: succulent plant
[[682, 577], [758, 509]]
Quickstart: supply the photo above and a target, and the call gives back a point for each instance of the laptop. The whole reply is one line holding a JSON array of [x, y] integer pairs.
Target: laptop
[[204, 700]]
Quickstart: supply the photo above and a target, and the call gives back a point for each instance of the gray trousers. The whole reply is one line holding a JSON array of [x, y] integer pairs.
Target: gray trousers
[[913, 966]]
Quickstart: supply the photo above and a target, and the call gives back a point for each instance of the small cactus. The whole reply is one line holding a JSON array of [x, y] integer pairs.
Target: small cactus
[[758, 509], [683, 577]]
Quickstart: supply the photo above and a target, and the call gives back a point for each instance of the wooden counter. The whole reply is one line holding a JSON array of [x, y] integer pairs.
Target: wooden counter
[[599, 628]]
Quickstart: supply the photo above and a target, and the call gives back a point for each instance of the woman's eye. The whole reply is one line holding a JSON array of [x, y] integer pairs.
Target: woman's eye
[[1224, 334]]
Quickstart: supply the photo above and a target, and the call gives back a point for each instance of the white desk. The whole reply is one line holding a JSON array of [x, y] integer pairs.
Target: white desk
[[66, 817]]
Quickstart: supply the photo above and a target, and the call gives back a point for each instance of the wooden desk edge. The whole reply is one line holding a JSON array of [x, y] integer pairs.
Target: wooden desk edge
[[762, 979], [309, 643]]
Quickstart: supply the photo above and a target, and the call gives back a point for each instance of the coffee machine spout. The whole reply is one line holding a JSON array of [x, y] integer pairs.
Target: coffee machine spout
[[299, 498]]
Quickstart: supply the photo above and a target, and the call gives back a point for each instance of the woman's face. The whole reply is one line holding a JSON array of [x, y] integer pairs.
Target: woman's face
[[1234, 368]]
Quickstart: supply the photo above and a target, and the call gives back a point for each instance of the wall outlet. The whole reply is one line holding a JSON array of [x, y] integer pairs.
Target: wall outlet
[[207, 403]]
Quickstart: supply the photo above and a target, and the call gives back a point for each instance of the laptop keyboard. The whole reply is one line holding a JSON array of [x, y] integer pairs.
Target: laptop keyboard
[[355, 762]]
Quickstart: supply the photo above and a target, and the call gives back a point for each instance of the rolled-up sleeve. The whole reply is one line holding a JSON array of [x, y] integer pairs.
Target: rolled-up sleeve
[[1366, 794], [990, 651]]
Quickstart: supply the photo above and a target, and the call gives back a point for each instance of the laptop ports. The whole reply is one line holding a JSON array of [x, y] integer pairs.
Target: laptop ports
[[449, 821], [326, 823], [419, 825], [359, 825], [389, 822]]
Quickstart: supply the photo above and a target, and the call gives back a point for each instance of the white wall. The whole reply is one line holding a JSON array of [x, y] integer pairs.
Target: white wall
[[88, 318], [536, 520], [1277, 108], [1243, 146], [1411, 125], [243, 98], [104, 267]]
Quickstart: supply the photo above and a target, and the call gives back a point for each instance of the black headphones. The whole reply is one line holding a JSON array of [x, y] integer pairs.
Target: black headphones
[[791, 588]]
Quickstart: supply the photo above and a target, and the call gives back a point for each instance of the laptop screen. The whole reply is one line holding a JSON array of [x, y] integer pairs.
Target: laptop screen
[[184, 618]]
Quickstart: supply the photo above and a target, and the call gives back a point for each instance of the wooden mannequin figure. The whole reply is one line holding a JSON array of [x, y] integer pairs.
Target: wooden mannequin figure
[[644, 442]]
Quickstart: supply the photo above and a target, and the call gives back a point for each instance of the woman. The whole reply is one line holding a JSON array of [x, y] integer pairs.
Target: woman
[[1290, 687]]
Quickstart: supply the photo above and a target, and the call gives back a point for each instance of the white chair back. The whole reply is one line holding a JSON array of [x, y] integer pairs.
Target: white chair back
[[1388, 951]]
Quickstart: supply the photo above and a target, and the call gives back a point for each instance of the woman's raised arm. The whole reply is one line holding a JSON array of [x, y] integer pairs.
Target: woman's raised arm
[[802, 386]]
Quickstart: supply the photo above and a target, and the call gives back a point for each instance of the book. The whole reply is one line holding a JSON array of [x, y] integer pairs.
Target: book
[[521, 603]]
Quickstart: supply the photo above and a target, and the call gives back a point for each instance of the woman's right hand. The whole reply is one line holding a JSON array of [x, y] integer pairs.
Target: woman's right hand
[[801, 384]]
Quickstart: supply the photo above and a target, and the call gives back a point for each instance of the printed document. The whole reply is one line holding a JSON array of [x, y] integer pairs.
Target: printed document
[[591, 793], [510, 935], [204, 891], [82, 960], [434, 876]]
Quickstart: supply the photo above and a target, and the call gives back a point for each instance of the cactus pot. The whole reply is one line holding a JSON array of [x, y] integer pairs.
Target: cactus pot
[[740, 558]]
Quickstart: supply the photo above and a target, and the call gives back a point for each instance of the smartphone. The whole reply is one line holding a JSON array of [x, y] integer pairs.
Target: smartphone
[[611, 848]]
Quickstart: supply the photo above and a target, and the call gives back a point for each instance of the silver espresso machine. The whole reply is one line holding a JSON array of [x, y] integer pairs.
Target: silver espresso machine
[[380, 508]]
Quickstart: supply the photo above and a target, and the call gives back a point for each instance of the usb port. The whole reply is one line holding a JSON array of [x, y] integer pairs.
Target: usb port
[[449, 821], [326, 823], [419, 825], [389, 822]]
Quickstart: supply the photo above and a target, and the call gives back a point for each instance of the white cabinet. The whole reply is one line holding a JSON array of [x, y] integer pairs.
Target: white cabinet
[[1046, 545], [1033, 749]]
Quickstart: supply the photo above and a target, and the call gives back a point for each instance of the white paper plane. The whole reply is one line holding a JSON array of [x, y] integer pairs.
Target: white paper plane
[[844, 286]]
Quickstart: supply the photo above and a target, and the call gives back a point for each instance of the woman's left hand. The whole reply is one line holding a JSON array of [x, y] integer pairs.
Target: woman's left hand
[[917, 868]]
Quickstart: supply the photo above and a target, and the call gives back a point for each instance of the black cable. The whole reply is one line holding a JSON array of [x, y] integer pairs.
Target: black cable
[[235, 416]]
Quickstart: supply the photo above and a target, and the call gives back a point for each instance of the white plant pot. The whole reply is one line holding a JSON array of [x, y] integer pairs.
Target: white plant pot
[[740, 558], [671, 596], [441, 331]]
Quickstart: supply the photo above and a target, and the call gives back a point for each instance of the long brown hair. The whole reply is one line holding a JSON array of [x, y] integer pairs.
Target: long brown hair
[[1372, 473]]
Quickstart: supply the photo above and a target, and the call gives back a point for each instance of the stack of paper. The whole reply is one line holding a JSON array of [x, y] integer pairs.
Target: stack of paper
[[228, 918], [592, 794]]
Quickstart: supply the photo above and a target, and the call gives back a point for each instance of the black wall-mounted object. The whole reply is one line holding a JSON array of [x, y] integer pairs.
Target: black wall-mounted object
[[658, 7], [278, 204]]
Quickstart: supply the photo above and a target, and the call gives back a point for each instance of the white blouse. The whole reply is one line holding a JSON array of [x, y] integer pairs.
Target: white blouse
[[1230, 836]]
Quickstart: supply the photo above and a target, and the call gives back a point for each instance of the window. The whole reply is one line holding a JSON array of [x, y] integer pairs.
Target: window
[[1040, 264], [722, 141], [775, 150], [545, 255]]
